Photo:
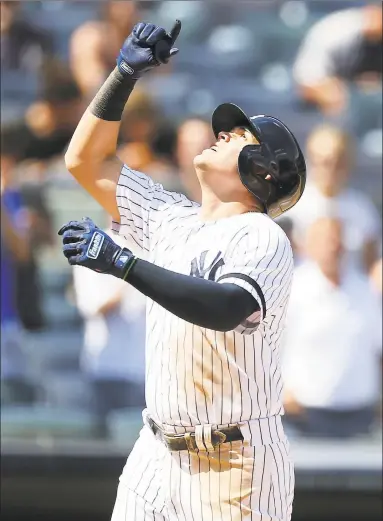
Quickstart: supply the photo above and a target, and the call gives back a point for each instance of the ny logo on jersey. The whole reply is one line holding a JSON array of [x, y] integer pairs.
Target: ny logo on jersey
[[198, 268]]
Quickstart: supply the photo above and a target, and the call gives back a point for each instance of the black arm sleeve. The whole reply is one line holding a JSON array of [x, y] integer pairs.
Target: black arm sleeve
[[221, 307]]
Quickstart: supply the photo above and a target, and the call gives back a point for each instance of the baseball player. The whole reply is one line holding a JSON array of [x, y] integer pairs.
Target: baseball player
[[217, 277]]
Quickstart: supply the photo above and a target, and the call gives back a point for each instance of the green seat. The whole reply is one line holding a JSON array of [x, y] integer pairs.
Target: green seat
[[40, 421], [124, 425]]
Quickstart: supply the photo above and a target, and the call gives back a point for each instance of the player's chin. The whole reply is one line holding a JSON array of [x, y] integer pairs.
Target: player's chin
[[204, 158], [199, 160]]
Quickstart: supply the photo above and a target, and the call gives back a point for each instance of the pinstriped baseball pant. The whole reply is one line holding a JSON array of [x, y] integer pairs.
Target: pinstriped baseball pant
[[235, 483]]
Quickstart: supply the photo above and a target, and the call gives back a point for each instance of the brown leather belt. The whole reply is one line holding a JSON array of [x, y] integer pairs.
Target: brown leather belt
[[187, 441]]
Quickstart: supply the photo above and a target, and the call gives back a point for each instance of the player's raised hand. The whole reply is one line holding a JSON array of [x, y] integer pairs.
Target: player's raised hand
[[147, 47]]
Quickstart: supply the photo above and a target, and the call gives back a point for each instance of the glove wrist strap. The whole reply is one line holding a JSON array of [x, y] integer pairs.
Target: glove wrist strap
[[123, 264], [110, 101]]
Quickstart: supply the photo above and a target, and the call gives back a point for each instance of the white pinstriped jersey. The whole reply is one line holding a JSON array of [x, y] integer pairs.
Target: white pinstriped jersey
[[194, 375]]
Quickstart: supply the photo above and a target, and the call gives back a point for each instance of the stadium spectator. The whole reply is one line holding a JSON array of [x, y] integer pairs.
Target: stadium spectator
[[329, 154], [24, 48], [39, 228], [344, 47], [113, 356], [41, 236], [95, 44], [15, 250], [162, 167], [193, 135], [376, 276], [333, 341], [140, 117], [139, 123], [148, 141], [287, 226], [50, 121]]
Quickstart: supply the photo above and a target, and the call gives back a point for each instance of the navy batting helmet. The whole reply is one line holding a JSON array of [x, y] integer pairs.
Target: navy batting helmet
[[278, 155]]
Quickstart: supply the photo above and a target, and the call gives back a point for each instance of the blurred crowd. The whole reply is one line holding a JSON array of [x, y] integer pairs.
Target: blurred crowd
[[72, 342]]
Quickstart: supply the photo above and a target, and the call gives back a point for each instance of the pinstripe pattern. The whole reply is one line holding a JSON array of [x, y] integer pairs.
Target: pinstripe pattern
[[238, 482], [197, 376]]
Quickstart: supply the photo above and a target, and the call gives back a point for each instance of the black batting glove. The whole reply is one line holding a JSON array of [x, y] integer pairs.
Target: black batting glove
[[147, 47], [84, 244]]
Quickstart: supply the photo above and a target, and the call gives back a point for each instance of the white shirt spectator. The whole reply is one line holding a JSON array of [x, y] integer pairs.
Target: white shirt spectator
[[329, 47], [333, 341], [358, 214], [114, 345]]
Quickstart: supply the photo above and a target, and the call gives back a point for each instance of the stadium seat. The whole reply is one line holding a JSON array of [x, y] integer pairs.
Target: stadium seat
[[69, 389], [12, 111], [52, 350], [68, 203], [195, 16], [53, 280], [38, 420], [58, 311], [322, 8], [61, 17], [21, 391], [124, 425]]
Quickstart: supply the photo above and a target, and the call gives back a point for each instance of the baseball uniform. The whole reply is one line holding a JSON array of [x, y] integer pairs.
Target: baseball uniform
[[197, 378]]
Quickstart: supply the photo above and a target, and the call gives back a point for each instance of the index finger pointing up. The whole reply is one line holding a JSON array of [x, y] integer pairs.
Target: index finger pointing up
[[175, 31]]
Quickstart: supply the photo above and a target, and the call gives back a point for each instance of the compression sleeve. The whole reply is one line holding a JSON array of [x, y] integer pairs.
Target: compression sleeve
[[220, 307]]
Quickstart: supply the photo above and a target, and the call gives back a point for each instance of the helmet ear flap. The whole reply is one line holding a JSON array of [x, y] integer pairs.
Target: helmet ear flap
[[253, 166], [253, 159]]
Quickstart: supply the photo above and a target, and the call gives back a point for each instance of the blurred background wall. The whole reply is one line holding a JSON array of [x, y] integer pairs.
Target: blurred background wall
[[72, 362]]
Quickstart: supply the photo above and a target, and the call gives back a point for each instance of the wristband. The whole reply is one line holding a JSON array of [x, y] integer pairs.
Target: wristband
[[110, 101]]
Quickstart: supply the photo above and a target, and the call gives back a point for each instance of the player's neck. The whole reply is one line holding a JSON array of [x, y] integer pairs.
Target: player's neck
[[213, 209]]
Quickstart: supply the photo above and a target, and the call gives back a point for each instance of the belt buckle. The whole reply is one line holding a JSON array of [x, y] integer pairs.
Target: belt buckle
[[217, 438], [189, 437]]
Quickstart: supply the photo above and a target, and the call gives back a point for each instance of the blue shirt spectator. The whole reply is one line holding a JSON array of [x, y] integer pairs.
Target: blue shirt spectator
[[13, 206], [14, 249]]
